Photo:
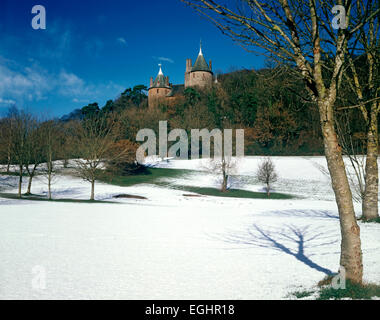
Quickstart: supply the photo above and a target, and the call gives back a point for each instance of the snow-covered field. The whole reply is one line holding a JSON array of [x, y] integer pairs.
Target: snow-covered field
[[175, 247]]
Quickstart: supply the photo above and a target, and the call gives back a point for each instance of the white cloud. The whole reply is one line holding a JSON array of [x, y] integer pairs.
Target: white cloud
[[163, 59], [70, 84], [6, 102], [122, 41], [83, 101], [23, 85]]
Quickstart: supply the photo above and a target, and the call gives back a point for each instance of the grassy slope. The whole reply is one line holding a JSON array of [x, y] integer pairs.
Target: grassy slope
[[235, 193], [155, 176], [34, 197]]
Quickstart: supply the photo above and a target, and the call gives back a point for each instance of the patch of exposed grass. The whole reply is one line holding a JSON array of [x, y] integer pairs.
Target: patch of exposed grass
[[12, 173], [34, 197], [302, 294], [352, 291], [152, 176], [377, 220], [234, 193], [156, 175]]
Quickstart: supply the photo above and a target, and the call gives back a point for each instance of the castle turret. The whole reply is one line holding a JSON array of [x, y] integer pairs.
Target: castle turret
[[159, 89], [188, 65], [200, 74]]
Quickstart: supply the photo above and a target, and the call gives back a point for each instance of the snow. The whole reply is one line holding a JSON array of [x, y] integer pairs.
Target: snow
[[176, 247]]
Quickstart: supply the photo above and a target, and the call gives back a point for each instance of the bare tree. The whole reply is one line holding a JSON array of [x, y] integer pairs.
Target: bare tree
[[5, 142], [96, 141], [51, 146], [354, 150], [33, 150], [266, 173], [223, 167], [6, 135], [21, 130], [300, 34], [366, 87], [66, 149]]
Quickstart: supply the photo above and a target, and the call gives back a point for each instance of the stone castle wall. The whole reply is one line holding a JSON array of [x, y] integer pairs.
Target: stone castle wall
[[199, 79], [157, 96]]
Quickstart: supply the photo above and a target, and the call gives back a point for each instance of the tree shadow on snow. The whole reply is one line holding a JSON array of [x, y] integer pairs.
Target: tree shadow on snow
[[8, 182], [290, 239], [320, 214]]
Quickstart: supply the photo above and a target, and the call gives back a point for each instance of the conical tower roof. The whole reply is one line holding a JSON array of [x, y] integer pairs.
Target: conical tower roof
[[200, 64], [160, 81]]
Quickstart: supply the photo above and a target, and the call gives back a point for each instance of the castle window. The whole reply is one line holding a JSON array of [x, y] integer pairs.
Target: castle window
[[193, 75], [158, 90]]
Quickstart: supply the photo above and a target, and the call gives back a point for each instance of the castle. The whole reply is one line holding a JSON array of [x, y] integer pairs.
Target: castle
[[200, 75]]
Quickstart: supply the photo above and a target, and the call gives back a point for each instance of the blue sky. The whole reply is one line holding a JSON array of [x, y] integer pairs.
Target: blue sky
[[92, 50]]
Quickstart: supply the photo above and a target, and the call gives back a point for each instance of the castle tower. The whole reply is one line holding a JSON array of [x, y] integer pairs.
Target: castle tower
[[159, 89], [200, 74]]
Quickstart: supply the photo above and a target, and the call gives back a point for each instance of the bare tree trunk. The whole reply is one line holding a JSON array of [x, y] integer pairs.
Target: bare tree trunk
[[268, 190], [49, 173], [20, 182], [49, 185], [8, 161], [351, 254], [225, 181], [92, 190], [29, 190], [31, 176], [370, 201]]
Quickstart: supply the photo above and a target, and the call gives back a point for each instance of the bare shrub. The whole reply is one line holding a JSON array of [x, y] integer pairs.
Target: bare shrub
[[266, 173], [223, 167]]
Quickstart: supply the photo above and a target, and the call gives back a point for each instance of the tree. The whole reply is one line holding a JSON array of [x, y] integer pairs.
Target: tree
[[34, 151], [223, 167], [21, 124], [95, 144], [6, 135], [66, 149], [300, 34], [192, 96], [109, 106], [353, 148], [90, 110], [366, 86], [266, 173], [241, 88], [125, 163], [274, 126], [131, 97], [6, 139], [50, 147]]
